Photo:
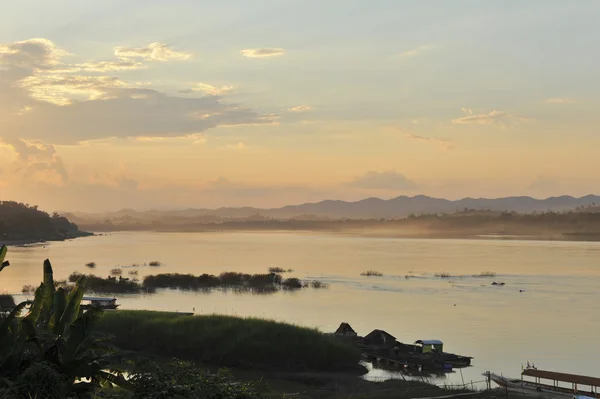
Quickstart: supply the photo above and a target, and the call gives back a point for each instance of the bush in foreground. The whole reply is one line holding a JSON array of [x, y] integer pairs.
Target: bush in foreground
[[229, 341], [180, 379]]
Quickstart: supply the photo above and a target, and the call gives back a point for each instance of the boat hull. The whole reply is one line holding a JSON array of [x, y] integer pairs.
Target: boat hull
[[531, 388]]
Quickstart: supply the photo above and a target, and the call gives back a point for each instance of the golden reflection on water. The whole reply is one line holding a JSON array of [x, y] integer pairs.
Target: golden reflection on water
[[553, 322]]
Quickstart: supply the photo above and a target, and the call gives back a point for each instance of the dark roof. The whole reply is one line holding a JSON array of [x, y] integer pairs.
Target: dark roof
[[7, 302], [345, 328], [563, 377], [374, 333]]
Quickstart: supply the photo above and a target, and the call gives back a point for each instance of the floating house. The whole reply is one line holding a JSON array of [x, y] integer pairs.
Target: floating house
[[430, 345], [380, 338]]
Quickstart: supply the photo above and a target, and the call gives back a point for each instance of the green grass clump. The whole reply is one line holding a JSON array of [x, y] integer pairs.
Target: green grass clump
[[110, 285], [229, 341]]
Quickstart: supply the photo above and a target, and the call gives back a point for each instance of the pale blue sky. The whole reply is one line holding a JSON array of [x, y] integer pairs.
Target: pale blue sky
[[383, 83]]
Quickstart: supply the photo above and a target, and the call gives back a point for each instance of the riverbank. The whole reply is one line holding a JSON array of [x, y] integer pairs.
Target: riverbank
[[225, 341], [280, 359], [43, 240]]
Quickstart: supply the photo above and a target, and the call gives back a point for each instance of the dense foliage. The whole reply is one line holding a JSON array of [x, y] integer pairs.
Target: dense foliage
[[24, 222], [179, 379], [237, 282], [229, 341], [53, 351]]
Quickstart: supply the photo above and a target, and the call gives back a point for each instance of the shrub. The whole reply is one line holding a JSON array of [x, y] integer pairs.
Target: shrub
[[28, 289], [292, 283], [116, 271], [371, 273], [155, 263], [318, 284], [91, 265], [110, 285]]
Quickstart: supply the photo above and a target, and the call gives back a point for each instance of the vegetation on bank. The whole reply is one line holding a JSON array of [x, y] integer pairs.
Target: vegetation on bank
[[575, 225], [22, 222], [110, 285], [229, 341]]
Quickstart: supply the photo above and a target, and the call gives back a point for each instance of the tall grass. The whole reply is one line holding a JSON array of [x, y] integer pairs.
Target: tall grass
[[155, 263], [229, 341]]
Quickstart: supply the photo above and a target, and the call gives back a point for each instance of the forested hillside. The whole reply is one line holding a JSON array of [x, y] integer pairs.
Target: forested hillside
[[22, 222]]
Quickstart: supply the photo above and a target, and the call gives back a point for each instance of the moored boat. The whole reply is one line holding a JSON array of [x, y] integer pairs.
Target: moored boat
[[549, 383], [99, 302]]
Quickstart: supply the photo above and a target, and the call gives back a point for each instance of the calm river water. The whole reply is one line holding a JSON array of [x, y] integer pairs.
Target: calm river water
[[554, 322]]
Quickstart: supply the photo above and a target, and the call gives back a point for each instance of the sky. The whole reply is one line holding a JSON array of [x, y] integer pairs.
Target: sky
[[193, 103]]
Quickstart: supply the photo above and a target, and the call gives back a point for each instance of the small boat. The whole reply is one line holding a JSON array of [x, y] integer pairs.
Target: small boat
[[548, 383], [99, 302]]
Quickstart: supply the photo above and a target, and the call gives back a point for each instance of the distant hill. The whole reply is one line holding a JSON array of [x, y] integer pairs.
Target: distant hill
[[23, 223], [370, 208]]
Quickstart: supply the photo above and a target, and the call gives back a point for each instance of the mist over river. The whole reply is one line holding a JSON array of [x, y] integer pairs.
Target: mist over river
[[554, 322]]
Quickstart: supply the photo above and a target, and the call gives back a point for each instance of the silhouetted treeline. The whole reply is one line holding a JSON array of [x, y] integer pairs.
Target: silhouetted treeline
[[22, 222], [583, 224]]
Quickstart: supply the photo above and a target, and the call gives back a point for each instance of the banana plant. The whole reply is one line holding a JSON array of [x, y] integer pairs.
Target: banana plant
[[56, 331]]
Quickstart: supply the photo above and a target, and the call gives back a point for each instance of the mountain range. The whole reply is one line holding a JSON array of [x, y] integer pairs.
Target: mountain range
[[369, 208]]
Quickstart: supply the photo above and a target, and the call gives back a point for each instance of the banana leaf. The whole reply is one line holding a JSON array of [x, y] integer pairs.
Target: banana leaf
[[72, 308], [60, 302]]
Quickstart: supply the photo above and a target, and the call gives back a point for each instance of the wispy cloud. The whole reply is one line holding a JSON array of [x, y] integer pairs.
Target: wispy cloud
[[300, 108], [262, 52], [208, 89], [154, 51], [416, 51], [443, 144], [561, 100], [49, 102], [387, 180], [500, 118], [105, 66]]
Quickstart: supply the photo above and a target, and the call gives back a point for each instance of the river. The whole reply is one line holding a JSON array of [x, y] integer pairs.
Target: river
[[547, 312]]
